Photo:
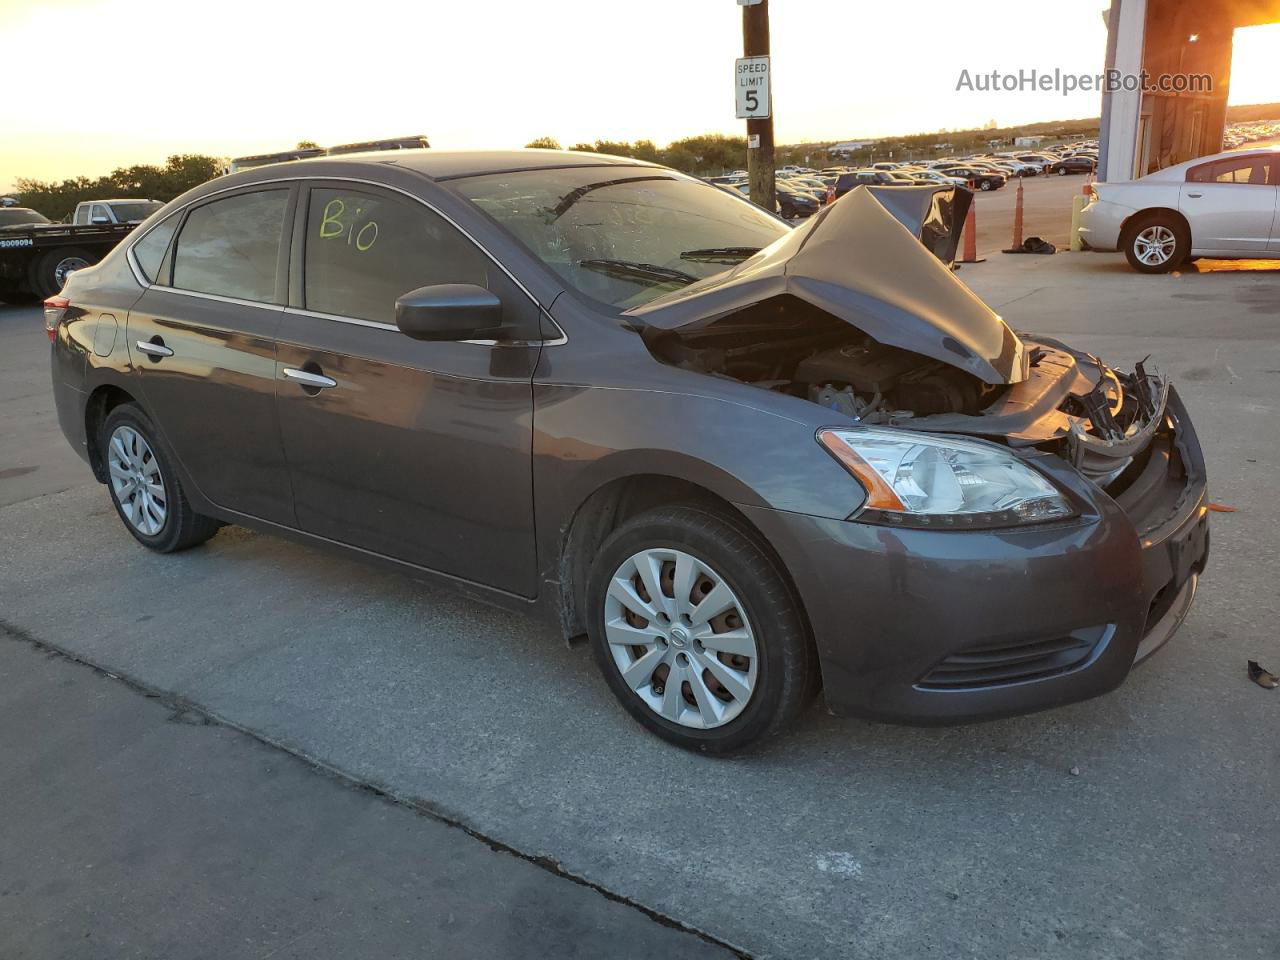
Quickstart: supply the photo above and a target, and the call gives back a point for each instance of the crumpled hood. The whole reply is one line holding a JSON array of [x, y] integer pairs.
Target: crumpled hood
[[864, 260]]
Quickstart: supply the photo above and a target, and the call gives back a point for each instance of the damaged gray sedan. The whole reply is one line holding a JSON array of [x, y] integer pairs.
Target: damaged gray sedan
[[745, 463]]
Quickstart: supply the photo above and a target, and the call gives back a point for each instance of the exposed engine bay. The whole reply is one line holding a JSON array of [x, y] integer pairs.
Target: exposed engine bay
[[1069, 403], [858, 311]]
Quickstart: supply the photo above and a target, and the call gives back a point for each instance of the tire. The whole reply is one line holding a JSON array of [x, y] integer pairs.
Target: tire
[[1062, 171], [1156, 243], [788, 212], [984, 184], [772, 660], [48, 274], [162, 521]]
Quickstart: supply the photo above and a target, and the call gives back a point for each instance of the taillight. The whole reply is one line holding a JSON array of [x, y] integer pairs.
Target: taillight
[[54, 310]]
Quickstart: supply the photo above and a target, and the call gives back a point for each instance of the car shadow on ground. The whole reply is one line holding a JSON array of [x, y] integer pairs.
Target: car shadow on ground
[[957, 755]]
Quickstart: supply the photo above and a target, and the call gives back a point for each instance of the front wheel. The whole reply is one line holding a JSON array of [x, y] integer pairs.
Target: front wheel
[[697, 630], [1062, 171], [145, 488], [984, 185]]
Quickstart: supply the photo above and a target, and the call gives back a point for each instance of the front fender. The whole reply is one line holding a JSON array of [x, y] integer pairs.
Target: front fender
[[586, 437]]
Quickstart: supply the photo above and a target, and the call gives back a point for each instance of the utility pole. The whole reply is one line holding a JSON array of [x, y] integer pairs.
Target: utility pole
[[760, 163]]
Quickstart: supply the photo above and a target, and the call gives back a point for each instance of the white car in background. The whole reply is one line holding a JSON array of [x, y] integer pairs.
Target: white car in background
[[1226, 206]]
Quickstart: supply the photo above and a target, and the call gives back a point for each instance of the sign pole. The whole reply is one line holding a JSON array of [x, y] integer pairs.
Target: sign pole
[[760, 163]]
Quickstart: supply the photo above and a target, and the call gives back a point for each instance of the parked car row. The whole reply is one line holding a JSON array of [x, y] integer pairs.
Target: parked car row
[[1238, 134], [802, 191], [799, 196]]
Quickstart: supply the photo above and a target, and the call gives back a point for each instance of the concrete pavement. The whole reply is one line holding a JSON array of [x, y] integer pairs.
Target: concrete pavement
[[847, 839], [34, 458], [134, 827], [1046, 212]]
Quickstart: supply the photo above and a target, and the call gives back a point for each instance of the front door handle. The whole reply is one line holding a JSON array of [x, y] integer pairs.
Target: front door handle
[[1195, 195], [153, 349], [307, 378]]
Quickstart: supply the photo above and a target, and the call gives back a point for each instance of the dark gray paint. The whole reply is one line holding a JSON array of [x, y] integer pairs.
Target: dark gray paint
[[475, 460], [214, 399]]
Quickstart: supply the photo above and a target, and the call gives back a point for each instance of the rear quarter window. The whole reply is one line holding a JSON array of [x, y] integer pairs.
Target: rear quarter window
[[149, 251]]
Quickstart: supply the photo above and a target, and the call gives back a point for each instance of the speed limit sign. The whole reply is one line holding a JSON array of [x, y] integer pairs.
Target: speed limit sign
[[751, 87]]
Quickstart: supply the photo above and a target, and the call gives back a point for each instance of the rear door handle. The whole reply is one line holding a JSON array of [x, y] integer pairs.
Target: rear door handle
[[154, 349], [1195, 195], [307, 378]]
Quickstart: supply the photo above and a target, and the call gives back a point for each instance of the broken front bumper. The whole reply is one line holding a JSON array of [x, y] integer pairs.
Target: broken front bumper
[[932, 626]]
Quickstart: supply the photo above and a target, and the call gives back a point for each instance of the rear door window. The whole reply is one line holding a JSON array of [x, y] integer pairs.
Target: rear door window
[[366, 249], [1249, 170], [231, 247]]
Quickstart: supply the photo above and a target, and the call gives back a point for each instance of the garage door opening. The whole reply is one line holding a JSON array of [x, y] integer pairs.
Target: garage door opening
[[1234, 43], [1254, 76]]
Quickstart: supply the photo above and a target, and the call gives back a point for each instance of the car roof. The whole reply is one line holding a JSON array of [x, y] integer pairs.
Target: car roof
[[450, 164], [123, 200]]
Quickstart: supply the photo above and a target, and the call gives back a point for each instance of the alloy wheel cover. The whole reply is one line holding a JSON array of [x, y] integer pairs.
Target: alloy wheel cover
[[680, 638], [136, 481]]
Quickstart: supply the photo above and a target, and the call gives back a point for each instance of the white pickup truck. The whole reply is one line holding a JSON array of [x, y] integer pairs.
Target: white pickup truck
[[103, 212], [36, 256]]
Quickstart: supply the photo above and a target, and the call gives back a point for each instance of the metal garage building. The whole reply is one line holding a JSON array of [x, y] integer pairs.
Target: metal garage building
[[1145, 131]]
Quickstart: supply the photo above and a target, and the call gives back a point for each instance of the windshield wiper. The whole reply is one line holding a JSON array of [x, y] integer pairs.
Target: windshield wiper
[[720, 254], [633, 270], [573, 196]]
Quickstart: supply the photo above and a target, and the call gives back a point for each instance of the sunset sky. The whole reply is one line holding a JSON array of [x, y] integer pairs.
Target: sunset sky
[[106, 83]]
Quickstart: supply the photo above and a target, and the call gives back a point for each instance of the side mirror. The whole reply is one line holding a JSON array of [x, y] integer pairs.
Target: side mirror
[[449, 311], [101, 221]]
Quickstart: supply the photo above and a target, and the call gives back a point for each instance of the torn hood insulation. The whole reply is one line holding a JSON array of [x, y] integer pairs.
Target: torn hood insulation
[[865, 261]]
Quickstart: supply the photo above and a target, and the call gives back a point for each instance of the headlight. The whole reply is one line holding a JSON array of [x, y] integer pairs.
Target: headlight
[[935, 482]]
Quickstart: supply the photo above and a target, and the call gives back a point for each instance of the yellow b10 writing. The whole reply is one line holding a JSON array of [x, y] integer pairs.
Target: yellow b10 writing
[[332, 226]]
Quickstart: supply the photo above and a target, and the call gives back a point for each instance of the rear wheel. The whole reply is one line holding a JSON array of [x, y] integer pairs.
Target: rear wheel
[[145, 488], [49, 273], [697, 631], [1062, 171], [984, 184], [1156, 243]]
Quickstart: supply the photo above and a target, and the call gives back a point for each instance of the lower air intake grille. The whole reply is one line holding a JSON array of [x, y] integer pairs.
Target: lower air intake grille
[[1009, 663]]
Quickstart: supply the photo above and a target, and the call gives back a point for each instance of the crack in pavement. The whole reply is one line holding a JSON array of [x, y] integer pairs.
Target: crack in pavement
[[188, 711]]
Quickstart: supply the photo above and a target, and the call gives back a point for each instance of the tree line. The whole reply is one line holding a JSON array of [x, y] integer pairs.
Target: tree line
[[705, 155], [57, 200]]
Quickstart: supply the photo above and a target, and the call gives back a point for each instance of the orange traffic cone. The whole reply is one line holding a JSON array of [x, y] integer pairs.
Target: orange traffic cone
[[971, 236]]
